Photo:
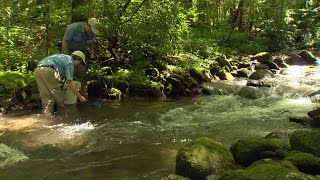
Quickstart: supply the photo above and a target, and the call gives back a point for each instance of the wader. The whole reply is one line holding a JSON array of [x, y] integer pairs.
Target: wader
[[49, 85]]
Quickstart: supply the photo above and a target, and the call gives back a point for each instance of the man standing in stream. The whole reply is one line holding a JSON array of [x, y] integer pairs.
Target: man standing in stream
[[79, 36]]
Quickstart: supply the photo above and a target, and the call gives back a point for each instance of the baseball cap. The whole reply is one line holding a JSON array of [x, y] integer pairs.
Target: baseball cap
[[81, 55], [93, 22]]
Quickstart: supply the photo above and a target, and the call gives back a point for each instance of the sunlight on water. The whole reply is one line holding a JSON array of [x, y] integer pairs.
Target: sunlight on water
[[305, 101], [296, 71], [71, 131]]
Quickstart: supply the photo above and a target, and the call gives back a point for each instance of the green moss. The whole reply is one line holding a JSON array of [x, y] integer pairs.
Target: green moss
[[306, 141], [202, 157], [272, 171], [238, 174], [300, 157], [247, 150]]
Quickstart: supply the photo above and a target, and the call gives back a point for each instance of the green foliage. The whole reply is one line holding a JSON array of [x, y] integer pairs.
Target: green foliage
[[245, 43], [10, 82], [148, 29]]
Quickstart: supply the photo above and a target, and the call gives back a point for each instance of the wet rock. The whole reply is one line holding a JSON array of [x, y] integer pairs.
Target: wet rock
[[263, 57], [308, 57], [265, 170], [303, 58], [249, 92], [306, 141], [243, 72], [305, 162], [202, 157], [301, 120], [260, 74], [314, 113], [248, 150]]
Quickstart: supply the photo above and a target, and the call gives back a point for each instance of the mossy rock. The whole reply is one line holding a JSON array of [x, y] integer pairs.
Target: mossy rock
[[272, 171], [306, 141], [202, 157], [238, 174], [260, 74], [249, 92], [248, 150], [224, 63], [243, 72], [265, 169], [308, 56], [197, 74], [263, 57], [305, 162], [278, 60], [224, 75], [272, 65]]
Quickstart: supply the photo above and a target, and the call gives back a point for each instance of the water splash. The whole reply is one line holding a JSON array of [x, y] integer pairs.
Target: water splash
[[71, 131]]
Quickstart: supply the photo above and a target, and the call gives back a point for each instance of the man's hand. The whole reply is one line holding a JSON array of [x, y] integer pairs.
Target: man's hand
[[82, 99]]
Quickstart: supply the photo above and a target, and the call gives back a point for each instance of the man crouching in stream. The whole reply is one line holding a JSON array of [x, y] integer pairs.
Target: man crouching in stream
[[49, 74]]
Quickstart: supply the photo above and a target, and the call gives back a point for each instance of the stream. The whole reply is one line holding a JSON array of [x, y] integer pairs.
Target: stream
[[139, 138]]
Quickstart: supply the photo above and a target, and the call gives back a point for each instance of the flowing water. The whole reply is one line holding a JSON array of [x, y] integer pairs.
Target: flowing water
[[139, 139]]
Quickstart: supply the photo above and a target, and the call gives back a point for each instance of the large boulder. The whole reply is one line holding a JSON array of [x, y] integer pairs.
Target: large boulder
[[249, 92], [202, 157], [260, 74], [263, 57], [302, 58], [308, 57], [306, 141], [305, 162], [248, 150], [264, 171]]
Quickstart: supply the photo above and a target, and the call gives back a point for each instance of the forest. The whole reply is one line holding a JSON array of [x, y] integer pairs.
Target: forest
[[145, 46]]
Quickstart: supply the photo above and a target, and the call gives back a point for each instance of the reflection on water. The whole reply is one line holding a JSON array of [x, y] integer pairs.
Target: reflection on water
[[136, 139]]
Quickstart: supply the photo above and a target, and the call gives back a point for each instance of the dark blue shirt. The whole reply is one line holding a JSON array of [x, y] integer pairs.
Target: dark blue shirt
[[77, 38]]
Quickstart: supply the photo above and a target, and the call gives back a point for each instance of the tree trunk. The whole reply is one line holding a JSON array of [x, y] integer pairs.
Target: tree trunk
[[237, 16], [47, 27]]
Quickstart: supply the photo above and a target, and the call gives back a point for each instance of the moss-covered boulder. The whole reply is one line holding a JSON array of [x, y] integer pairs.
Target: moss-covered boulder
[[266, 170], [314, 113], [248, 150], [263, 57], [303, 58], [260, 74], [308, 57], [272, 65], [243, 72], [224, 75], [269, 171], [199, 158], [224, 63], [200, 74], [305, 162], [306, 141], [249, 92]]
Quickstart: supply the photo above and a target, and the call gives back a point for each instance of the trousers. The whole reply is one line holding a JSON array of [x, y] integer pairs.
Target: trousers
[[49, 85]]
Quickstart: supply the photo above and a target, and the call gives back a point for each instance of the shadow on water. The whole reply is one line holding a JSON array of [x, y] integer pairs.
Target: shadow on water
[[138, 139]]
